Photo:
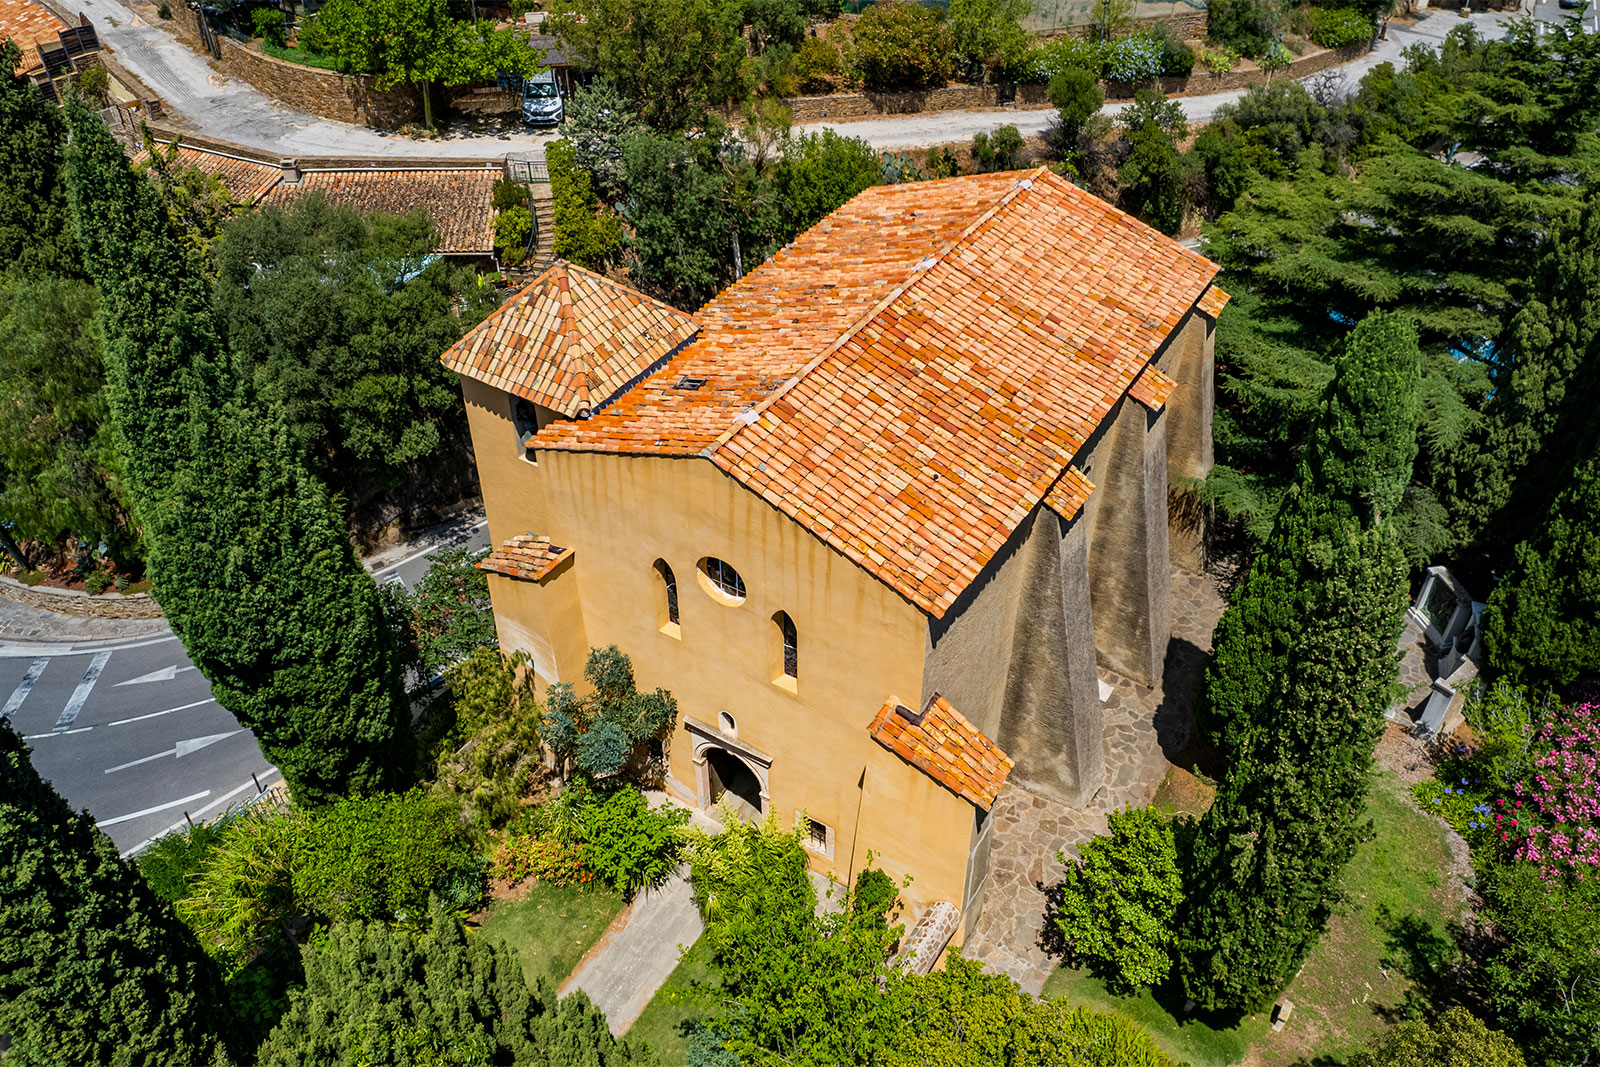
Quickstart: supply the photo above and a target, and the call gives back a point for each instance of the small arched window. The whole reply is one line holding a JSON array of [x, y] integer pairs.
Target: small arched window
[[721, 580], [669, 583], [727, 724], [791, 644]]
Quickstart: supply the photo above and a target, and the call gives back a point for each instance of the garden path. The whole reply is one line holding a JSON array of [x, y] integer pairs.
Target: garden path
[[1144, 730]]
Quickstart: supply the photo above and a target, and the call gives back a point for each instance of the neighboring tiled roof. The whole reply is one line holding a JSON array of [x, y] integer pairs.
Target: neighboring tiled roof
[[946, 747], [909, 377], [525, 556], [460, 201], [29, 23], [1152, 388], [1067, 497], [1214, 300], [570, 340], [247, 180]]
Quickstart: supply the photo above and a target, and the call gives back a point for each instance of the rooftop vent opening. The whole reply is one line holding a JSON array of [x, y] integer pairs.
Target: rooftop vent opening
[[688, 383]]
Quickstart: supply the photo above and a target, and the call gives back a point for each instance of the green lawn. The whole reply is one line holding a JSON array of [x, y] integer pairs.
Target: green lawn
[[552, 927], [300, 56], [681, 999], [1392, 923]]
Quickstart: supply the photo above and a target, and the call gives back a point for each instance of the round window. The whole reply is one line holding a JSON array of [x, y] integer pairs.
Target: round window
[[721, 580]]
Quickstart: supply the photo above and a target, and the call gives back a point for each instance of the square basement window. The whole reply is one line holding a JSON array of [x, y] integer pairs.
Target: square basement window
[[819, 835]]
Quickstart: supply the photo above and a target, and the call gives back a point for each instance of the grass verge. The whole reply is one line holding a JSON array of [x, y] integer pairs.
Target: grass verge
[[551, 927], [1393, 922], [300, 56], [683, 998]]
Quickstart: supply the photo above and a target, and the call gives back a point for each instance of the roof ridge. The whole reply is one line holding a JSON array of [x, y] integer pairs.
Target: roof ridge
[[504, 309], [919, 271], [569, 327]]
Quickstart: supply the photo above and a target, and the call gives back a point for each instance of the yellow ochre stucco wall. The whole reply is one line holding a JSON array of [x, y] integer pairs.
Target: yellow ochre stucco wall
[[859, 642]]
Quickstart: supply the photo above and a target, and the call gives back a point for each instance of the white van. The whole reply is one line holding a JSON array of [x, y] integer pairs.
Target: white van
[[541, 100]]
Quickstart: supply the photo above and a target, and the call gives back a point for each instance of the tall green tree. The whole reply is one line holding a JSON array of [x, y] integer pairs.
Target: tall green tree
[[599, 733], [674, 60], [35, 228], [1455, 1039], [1305, 666], [251, 563], [417, 42], [93, 967], [1542, 625], [380, 996], [1156, 177]]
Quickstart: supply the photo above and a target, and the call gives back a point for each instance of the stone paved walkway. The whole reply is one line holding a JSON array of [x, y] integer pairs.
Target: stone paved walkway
[[1144, 730]]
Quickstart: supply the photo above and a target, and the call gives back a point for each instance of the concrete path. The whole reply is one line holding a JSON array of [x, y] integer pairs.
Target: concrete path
[[635, 956], [900, 132]]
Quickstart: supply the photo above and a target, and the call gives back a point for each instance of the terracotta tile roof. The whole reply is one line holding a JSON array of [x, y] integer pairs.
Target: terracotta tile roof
[[909, 377], [1152, 388], [1214, 300], [28, 24], [570, 340], [525, 556], [946, 747], [1071, 491], [460, 201], [247, 180]]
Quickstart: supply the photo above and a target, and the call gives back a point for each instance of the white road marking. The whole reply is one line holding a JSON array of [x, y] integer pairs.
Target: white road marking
[[25, 649], [178, 751], [24, 687], [165, 674], [58, 733], [132, 815], [169, 711], [424, 551], [266, 778], [80, 695]]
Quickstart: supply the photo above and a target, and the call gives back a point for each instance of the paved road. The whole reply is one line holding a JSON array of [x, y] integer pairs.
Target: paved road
[[128, 729]]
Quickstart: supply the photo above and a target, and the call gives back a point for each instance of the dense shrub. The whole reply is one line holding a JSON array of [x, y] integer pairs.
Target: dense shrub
[[818, 66], [1133, 59], [171, 860], [598, 734], [1177, 58], [1245, 26], [585, 232], [270, 24], [1047, 60], [378, 856], [1118, 902], [1004, 149], [489, 755], [629, 844], [1338, 27], [988, 32], [543, 859], [1455, 1037], [900, 46], [513, 234], [1553, 815], [242, 896]]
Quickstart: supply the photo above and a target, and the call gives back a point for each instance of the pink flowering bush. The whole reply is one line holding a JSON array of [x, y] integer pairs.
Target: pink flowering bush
[[1552, 817]]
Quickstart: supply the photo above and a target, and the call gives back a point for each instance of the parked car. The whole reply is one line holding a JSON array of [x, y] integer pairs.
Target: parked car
[[541, 100]]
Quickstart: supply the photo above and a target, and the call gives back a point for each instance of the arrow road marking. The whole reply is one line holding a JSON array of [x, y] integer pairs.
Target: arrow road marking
[[178, 751], [165, 674], [132, 815], [81, 694], [24, 687]]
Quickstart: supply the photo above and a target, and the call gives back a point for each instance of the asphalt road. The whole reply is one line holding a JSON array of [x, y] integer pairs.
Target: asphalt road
[[128, 730]]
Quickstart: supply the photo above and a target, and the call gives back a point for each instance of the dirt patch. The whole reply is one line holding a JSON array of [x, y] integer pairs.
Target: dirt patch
[[1181, 793]]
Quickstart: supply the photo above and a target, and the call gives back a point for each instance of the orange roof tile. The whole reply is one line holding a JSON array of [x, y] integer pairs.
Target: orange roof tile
[[1152, 388], [525, 556], [909, 377], [460, 201], [946, 747], [571, 340], [247, 180], [1071, 491], [1213, 301], [29, 24]]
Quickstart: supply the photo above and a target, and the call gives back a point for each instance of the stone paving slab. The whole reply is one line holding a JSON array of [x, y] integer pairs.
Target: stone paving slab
[[1144, 729]]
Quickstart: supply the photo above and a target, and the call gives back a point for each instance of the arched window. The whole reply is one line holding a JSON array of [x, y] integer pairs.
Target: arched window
[[670, 582], [727, 724], [721, 580], [791, 644]]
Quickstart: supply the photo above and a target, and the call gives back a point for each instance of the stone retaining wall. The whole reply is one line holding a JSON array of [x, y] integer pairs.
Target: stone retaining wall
[[845, 106], [73, 602]]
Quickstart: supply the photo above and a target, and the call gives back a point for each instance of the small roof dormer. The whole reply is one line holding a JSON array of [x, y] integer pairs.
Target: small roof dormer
[[571, 340]]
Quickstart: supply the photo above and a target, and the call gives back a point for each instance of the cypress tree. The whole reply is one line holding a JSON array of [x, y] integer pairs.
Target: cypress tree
[[35, 234], [1540, 420], [1305, 665], [94, 969], [251, 563], [1542, 625]]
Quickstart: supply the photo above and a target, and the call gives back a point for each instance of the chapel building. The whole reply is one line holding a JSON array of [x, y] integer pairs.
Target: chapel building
[[874, 515]]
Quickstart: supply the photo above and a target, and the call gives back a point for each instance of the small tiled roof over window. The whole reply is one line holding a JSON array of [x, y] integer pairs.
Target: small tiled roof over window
[[570, 340], [941, 743], [1152, 388], [911, 376], [1214, 300], [525, 556], [460, 201], [1071, 491]]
